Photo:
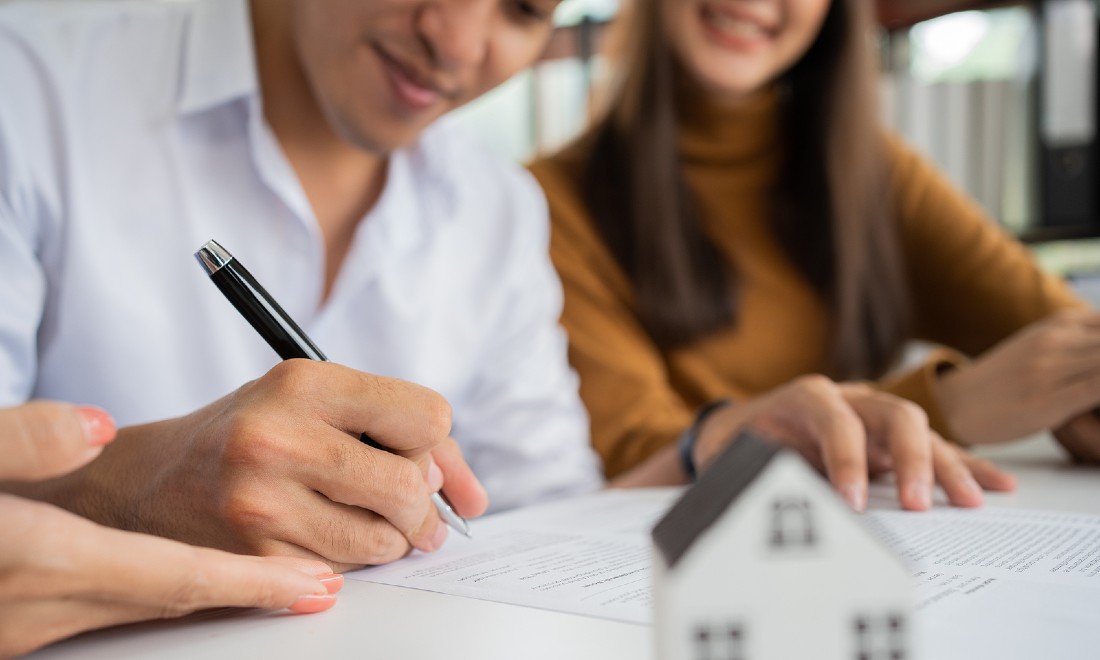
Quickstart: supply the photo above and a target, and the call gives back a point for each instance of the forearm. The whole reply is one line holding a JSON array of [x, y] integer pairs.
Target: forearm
[[663, 468]]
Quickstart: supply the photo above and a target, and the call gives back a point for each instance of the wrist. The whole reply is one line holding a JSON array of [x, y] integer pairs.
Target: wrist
[[689, 440], [957, 410]]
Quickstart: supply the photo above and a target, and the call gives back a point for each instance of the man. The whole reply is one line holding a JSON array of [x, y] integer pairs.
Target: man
[[302, 135]]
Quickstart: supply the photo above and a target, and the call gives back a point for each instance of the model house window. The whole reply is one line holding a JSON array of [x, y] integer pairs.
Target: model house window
[[719, 642], [880, 637], [792, 523]]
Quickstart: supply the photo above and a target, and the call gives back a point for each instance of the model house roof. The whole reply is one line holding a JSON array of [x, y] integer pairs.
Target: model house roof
[[719, 486]]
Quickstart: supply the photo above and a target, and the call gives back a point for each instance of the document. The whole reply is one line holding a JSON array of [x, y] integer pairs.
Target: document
[[974, 570], [588, 555], [1000, 583]]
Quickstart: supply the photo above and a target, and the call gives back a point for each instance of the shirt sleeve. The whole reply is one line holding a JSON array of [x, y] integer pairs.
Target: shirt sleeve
[[526, 425], [972, 285], [22, 300], [636, 412], [25, 154]]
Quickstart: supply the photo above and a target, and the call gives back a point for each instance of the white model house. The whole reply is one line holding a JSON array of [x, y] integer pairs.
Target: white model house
[[760, 560]]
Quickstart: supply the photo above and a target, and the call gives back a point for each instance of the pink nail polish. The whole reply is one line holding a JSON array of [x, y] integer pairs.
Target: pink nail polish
[[99, 427], [334, 582], [312, 603]]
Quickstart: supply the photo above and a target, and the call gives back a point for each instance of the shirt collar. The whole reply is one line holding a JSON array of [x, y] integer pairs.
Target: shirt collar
[[219, 66], [219, 63]]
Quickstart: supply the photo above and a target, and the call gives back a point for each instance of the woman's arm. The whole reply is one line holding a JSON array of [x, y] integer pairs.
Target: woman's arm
[[637, 414], [973, 287], [65, 574]]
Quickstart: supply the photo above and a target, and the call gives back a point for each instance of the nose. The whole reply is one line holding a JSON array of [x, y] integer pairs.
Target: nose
[[457, 31]]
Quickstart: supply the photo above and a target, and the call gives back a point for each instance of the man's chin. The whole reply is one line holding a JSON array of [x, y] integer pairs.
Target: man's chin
[[381, 138]]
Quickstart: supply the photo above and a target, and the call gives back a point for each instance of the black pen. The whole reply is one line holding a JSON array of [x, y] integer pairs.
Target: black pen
[[281, 332]]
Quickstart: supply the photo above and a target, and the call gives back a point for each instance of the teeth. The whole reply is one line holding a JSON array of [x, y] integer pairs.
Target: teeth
[[733, 26]]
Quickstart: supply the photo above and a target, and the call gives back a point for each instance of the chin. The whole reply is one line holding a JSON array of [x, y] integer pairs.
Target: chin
[[724, 86], [378, 137]]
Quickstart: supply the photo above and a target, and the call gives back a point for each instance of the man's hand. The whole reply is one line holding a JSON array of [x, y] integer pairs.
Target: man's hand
[[851, 431], [276, 468], [61, 574]]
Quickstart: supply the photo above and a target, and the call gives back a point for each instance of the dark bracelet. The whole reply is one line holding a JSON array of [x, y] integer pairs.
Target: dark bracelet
[[690, 436]]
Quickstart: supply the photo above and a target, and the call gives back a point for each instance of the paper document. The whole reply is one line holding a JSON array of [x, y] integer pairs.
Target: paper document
[[975, 570], [588, 555], [1001, 583]]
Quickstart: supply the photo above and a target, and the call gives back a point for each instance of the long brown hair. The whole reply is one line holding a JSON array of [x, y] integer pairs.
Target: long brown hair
[[830, 205]]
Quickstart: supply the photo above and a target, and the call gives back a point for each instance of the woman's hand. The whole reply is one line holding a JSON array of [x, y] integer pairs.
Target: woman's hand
[[1081, 438], [852, 431], [1039, 378], [44, 439], [61, 574]]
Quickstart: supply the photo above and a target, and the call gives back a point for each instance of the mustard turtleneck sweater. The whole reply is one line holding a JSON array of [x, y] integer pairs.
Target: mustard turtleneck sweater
[[971, 286]]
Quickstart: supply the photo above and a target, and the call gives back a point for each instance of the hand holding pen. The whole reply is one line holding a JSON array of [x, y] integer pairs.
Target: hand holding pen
[[284, 336]]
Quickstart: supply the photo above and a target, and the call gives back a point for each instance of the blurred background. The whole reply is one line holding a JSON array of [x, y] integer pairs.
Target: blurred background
[[1000, 95]]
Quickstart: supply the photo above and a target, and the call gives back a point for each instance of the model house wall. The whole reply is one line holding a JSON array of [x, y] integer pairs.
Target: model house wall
[[786, 572]]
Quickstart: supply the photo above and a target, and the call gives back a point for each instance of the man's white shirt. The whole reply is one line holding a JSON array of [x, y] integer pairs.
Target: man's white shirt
[[132, 133]]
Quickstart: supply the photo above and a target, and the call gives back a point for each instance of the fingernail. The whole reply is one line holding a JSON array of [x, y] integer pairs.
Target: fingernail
[[312, 603], [920, 494], [855, 496], [333, 582], [435, 477], [99, 427], [969, 484], [440, 536]]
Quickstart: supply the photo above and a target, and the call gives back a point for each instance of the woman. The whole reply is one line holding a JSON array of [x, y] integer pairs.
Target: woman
[[737, 218], [61, 574]]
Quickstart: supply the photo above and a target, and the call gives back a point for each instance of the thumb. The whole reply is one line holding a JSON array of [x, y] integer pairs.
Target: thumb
[[461, 487], [44, 439]]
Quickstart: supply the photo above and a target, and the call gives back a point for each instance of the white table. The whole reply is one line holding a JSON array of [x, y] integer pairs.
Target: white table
[[377, 621]]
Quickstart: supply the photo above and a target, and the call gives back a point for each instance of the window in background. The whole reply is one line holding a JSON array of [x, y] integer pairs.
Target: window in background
[[959, 88]]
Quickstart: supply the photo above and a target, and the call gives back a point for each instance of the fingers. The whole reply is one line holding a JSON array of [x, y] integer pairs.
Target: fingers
[[304, 522], [403, 417], [44, 439], [352, 473], [172, 579], [842, 441], [988, 475], [227, 580], [810, 414], [954, 476], [301, 424], [67, 575], [902, 427], [462, 488], [347, 535], [920, 456]]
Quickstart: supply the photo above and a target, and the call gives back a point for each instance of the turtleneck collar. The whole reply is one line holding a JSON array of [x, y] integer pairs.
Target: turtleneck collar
[[726, 133]]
